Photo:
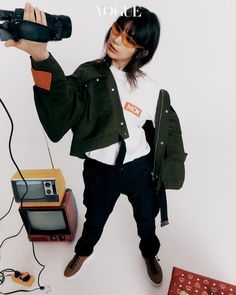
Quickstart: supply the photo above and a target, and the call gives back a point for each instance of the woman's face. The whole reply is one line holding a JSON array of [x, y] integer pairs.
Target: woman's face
[[117, 50]]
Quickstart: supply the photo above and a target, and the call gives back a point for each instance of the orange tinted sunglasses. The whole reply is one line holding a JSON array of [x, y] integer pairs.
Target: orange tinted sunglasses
[[126, 40]]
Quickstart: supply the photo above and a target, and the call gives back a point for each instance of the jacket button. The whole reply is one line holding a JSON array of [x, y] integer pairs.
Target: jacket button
[[125, 134], [86, 85], [97, 79], [112, 89], [121, 123], [166, 111], [162, 142]]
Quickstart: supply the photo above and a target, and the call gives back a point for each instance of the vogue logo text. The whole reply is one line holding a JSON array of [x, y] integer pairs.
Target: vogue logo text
[[117, 10]]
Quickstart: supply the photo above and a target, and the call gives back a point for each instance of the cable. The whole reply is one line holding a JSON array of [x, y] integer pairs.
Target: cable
[[20, 291], [8, 209], [10, 152], [12, 236], [43, 266], [2, 276], [9, 146]]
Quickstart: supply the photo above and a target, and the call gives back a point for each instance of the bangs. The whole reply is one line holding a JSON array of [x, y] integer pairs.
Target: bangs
[[135, 28]]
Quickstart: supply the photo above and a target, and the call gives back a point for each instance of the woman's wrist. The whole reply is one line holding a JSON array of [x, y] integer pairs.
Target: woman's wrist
[[40, 57]]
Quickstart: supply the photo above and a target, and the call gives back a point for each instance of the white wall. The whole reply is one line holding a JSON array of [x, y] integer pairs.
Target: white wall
[[196, 63]]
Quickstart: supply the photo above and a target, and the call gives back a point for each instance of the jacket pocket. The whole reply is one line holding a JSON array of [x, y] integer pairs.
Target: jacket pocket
[[97, 99], [173, 171]]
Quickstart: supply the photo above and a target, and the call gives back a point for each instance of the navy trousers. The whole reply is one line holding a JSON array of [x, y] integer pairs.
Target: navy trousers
[[103, 185]]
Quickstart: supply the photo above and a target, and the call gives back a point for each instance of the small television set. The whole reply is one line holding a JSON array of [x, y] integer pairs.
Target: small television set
[[45, 187], [58, 223]]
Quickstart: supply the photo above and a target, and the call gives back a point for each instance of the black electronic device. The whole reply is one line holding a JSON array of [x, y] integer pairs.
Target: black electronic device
[[14, 27]]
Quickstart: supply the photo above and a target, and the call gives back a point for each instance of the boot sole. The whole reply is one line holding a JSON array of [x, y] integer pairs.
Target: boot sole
[[154, 284]]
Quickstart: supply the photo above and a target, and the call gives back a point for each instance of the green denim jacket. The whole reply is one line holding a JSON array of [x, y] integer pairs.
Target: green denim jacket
[[88, 103]]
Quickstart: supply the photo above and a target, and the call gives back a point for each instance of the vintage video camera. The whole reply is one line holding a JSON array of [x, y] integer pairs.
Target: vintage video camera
[[14, 27]]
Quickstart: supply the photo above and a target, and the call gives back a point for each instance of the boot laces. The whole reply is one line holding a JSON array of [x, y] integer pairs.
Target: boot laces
[[153, 265], [74, 261]]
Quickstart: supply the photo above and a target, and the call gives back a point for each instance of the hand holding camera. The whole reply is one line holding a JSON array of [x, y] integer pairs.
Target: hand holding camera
[[30, 29], [37, 50]]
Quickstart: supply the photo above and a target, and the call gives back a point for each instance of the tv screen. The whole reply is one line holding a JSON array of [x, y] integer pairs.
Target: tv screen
[[57, 223], [46, 220], [35, 187]]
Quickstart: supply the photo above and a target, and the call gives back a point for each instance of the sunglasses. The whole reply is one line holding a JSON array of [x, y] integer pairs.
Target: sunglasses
[[126, 39]]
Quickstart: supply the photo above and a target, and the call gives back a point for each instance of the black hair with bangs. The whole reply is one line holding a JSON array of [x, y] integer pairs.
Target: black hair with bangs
[[145, 30]]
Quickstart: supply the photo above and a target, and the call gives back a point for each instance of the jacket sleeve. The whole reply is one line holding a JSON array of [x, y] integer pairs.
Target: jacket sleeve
[[173, 173], [58, 98]]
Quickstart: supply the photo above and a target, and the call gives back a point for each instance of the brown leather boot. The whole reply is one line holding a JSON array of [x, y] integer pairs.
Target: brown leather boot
[[154, 271], [74, 265]]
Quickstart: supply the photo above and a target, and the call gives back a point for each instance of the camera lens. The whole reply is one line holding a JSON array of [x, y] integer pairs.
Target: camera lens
[[66, 26]]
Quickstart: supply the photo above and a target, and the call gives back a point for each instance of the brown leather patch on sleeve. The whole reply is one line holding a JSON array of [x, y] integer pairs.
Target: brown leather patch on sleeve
[[42, 79]]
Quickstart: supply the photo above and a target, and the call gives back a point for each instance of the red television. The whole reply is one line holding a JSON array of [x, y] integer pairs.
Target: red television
[[47, 223]]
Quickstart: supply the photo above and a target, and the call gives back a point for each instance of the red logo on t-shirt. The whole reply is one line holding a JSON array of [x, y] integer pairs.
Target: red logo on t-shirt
[[133, 109]]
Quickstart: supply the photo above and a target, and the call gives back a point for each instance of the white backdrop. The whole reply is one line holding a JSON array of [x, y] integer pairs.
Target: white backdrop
[[196, 63]]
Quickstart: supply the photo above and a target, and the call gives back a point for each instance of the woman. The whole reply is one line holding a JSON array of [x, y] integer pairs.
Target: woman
[[105, 103]]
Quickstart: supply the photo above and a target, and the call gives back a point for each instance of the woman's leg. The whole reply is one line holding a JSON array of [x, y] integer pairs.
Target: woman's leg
[[142, 198], [100, 195]]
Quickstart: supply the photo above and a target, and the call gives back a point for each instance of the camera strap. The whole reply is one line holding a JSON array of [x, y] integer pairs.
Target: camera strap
[[24, 30], [33, 31]]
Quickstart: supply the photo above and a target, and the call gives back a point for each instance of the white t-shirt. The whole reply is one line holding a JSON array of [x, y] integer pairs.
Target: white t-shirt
[[139, 105]]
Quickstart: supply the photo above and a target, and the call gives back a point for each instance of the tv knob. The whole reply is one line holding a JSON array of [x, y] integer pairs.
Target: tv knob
[[47, 184], [53, 238], [62, 238]]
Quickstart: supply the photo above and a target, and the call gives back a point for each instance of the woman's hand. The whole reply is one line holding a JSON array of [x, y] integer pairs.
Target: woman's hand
[[37, 50]]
